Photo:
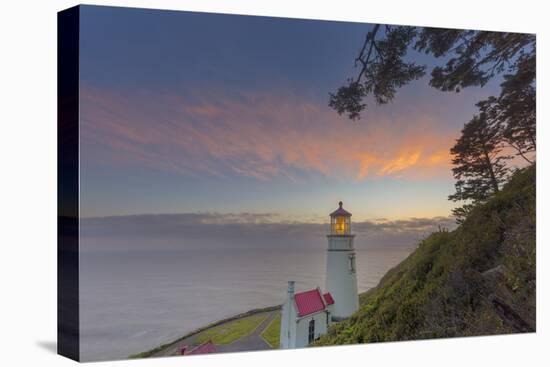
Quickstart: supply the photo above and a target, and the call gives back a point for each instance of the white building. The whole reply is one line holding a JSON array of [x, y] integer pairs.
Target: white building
[[305, 316]]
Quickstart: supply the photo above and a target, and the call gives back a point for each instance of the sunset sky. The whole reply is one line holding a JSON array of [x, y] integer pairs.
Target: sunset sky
[[203, 113]]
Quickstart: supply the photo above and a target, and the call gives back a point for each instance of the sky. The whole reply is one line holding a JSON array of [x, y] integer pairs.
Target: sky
[[226, 117]]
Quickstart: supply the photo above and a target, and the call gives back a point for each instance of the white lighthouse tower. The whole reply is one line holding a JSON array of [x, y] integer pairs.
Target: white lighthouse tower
[[341, 277]]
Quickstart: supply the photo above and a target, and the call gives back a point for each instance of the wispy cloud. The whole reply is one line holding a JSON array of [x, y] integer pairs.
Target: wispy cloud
[[262, 135]]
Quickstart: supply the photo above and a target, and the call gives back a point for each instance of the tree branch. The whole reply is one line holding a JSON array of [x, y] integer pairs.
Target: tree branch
[[370, 37]]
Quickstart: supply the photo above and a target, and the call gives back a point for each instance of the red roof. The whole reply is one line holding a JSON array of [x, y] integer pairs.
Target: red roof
[[309, 302], [340, 212], [204, 348], [328, 298]]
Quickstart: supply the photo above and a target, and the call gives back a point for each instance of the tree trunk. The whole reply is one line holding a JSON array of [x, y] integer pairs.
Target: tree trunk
[[494, 181]]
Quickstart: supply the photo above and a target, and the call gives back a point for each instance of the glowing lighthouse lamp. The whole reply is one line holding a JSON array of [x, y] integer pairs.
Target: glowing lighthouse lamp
[[341, 277]]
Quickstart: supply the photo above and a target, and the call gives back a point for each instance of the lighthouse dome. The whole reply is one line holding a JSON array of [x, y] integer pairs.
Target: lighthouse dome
[[340, 212]]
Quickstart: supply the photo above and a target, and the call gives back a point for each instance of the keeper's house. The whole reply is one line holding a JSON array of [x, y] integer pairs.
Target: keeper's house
[[305, 317]]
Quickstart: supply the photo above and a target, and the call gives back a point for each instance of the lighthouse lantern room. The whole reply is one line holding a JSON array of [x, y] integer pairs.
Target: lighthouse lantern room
[[340, 221]]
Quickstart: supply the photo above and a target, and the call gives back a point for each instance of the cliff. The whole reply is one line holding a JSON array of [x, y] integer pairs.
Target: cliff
[[476, 280]]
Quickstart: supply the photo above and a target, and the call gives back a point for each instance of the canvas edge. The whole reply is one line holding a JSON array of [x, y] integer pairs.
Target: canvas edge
[[68, 316]]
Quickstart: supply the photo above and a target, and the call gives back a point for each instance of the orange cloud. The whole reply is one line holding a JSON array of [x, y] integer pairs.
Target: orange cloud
[[261, 136], [401, 162]]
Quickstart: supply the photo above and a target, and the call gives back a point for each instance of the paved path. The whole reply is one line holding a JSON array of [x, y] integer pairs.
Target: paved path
[[250, 342], [253, 341]]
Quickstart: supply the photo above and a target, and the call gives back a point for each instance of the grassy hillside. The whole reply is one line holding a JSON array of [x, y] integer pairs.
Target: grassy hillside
[[476, 280]]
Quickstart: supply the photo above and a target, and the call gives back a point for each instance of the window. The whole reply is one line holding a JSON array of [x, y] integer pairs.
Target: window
[[340, 225], [311, 332], [351, 259]]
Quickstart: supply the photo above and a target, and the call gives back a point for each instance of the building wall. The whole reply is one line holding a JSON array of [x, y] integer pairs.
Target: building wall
[[287, 337], [341, 279], [330, 313], [302, 328]]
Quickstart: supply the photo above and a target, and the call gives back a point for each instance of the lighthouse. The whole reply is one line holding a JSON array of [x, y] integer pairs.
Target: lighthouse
[[306, 315], [341, 276]]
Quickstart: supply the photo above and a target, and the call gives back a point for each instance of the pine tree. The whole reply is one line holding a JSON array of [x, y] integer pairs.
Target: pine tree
[[515, 109], [479, 166]]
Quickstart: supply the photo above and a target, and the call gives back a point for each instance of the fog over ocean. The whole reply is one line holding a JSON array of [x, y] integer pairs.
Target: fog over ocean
[[147, 280]]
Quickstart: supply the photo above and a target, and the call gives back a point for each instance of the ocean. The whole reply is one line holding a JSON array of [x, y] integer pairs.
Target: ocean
[[132, 301]]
